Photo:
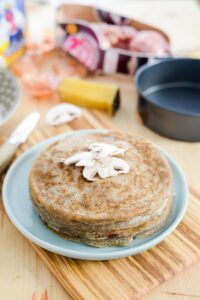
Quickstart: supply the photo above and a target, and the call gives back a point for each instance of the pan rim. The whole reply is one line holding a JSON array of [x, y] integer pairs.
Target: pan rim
[[141, 92]]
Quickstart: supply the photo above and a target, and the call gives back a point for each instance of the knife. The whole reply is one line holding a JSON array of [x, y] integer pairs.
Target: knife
[[19, 136]]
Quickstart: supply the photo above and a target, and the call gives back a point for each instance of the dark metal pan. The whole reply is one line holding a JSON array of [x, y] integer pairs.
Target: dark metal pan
[[169, 97]]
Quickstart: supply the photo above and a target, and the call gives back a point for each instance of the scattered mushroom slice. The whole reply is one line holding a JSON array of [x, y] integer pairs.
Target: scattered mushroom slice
[[62, 113]]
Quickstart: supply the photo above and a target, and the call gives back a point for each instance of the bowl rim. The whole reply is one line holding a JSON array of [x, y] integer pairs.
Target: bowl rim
[[17, 98]]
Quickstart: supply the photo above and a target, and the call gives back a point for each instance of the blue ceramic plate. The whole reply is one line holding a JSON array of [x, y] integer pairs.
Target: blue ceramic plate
[[21, 212]]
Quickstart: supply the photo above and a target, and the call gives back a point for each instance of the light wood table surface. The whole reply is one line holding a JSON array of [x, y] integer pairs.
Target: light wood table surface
[[23, 276]]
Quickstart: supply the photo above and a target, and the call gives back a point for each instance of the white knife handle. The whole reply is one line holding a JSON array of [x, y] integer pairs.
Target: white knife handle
[[7, 151]]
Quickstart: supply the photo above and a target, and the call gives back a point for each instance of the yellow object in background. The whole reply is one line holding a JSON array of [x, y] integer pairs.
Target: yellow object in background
[[90, 94], [196, 54], [3, 46]]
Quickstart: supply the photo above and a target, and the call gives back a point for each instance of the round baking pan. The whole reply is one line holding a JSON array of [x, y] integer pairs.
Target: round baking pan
[[169, 97]]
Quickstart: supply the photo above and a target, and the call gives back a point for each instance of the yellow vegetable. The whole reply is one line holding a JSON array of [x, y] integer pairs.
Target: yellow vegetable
[[90, 94]]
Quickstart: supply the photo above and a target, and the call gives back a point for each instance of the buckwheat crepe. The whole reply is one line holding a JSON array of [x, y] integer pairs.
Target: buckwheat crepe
[[105, 212]]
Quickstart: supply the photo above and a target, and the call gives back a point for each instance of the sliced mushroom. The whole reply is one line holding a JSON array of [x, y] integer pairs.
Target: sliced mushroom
[[62, 113], [107, 172], [77, 158], [105, 150], [99, 160], [120, 165], [89, 173]]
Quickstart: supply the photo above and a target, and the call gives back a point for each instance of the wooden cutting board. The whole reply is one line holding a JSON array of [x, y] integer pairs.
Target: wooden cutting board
[[132, 277]]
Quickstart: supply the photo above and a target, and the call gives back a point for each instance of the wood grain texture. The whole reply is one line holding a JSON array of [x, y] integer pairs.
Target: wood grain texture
[[131, 277]]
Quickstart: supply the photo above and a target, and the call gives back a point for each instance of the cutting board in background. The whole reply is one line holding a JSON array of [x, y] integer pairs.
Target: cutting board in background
[[127, 278]]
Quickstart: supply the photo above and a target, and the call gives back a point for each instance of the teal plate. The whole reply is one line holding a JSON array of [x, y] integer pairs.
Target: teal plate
[[18, 205]]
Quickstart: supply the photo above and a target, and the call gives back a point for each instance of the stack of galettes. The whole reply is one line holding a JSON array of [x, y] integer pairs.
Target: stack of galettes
[[102, 189]]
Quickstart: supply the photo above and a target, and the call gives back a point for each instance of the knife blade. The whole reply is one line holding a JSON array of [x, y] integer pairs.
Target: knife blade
[[23, 130], [19, 136]]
